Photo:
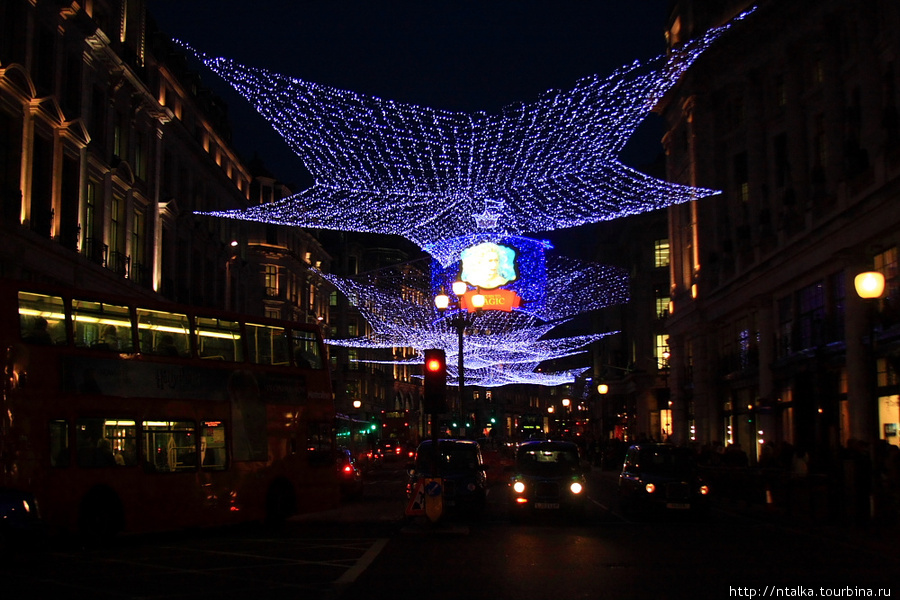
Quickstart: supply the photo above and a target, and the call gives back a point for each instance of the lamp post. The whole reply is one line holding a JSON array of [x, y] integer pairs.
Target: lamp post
[[870, 287], [232, 256], [442, 302]]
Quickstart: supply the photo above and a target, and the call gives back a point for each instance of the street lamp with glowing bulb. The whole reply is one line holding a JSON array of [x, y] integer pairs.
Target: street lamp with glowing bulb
[[870, 287], [442, 303]]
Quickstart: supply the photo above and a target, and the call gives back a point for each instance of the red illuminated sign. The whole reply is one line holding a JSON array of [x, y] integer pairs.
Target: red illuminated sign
[[498, 299]]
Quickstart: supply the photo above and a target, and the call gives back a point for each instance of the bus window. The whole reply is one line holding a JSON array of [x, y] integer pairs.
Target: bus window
[[163, 333], [169, 446], [104, 442], [219, 339], [319, 443], [42, 319], [267, 345], [102, 326], [59, 443], [123, 438], [212, 446], [306, 349]]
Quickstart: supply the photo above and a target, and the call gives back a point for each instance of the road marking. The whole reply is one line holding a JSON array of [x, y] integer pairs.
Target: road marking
[[362, 564]]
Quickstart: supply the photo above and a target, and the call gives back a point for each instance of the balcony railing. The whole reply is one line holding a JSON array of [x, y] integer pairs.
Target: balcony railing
[[119, 263], [95, 251]]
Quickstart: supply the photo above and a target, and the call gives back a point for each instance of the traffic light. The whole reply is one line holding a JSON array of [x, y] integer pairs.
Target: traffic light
[[435, 397]]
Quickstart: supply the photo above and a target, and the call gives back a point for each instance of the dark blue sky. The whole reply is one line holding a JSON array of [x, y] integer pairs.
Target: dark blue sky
[[465, 55]]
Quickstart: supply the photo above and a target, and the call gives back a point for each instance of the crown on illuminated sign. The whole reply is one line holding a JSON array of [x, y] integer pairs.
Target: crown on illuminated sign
[[486, 220]]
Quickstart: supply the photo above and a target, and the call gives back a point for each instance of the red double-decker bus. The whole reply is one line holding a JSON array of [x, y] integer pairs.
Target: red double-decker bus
[[132, 416]]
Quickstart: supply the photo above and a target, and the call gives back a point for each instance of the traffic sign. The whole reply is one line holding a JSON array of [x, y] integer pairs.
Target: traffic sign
[[434, 498], [416, 504]]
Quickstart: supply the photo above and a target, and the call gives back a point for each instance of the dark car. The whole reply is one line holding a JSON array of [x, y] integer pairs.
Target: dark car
[[662, 478], [547, 477], [349, 476], [461, 469], [391, 449]]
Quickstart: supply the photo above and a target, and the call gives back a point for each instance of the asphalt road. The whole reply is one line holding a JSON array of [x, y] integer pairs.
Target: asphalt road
[[367, 549]]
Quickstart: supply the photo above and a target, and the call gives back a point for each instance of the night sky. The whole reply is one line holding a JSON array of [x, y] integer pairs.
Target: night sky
[[462, 55]]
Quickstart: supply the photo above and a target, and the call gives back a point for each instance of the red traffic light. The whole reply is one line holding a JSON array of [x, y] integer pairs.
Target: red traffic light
[[435, 396]]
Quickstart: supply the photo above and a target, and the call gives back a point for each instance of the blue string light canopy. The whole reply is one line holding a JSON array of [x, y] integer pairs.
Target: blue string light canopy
[[430, 175], [446, 180], [501, 347]]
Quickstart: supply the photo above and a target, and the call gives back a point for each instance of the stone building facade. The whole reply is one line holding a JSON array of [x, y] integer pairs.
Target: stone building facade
[[794, 115]]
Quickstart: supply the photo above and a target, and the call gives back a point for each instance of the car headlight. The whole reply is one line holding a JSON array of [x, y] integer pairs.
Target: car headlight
[[519, 487], [576, 487], [650, 488]]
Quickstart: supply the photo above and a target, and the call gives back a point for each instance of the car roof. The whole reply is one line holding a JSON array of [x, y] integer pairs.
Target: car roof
[[449, 441], [548, 444]]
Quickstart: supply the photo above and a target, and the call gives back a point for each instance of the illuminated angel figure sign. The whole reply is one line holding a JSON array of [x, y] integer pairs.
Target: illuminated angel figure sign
[[387, 167], [488, 265]]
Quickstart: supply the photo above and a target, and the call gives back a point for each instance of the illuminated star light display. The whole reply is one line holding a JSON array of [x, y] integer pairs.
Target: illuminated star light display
[[437, 177], [428, 175], [501, 347]]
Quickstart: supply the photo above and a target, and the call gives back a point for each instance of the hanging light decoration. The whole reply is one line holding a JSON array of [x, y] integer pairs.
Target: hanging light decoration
[[388, 167], [446, 180], [502, 347]]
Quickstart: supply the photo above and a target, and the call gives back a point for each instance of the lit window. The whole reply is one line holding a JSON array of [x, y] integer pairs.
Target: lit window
[[661, 253]]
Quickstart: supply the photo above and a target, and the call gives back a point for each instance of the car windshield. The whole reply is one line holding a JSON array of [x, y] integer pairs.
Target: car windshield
[[664, 459], [453, 457], [546, 460]]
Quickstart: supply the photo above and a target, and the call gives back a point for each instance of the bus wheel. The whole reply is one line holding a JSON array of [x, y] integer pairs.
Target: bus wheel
[[280, 502], [100, 515]]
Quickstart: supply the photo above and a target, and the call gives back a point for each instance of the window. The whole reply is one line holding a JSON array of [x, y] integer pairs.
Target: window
[[219, 339], [59, 443], [306, 350], [741, 177], [117, 261], [810, 315], [662, 307], [119, 129], [169, 446], [212, 446], [270, 275], [785, 326], [319, 443], [662, 349], [90, 211], [105, 442], [837, 300], [661, 253], [163, 333], [42, 319], [138, 234], [267, 345], [102, 326], [140, 155]]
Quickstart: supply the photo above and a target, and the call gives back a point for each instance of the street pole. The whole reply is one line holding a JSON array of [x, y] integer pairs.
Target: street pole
[[460, 330]]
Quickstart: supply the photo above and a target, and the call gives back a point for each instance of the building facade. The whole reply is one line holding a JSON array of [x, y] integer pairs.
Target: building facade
[[109, 145], [794, 116]]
